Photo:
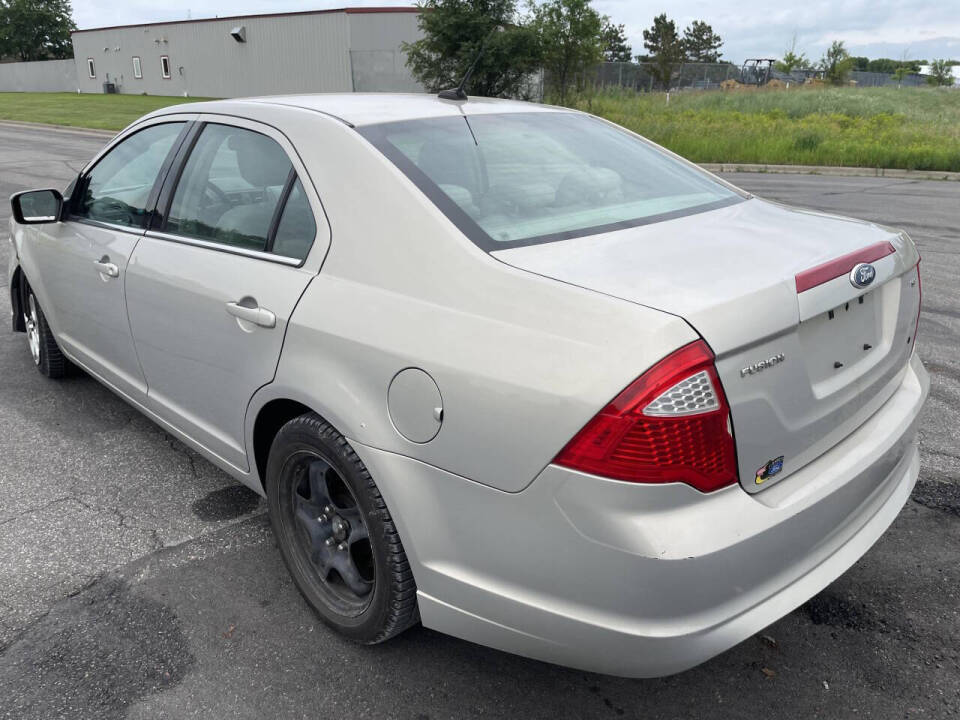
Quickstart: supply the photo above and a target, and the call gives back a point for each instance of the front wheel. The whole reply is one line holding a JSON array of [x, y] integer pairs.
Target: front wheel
[[336, 535], [43, 347]]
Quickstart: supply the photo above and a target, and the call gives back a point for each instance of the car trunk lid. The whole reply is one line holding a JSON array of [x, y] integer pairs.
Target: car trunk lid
[[804, 356]]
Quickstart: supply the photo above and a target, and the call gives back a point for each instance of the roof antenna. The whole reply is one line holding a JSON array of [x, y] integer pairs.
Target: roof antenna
[[458, 93]]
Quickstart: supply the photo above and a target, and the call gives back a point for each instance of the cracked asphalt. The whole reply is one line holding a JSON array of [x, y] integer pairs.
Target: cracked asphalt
[[136, 580]]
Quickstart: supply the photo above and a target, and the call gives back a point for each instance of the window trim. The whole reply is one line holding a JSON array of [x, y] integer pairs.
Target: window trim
[[229, 249], [129, 229], [157, 223], [137, 67], [91, 68], [165, 67], [161, 211]]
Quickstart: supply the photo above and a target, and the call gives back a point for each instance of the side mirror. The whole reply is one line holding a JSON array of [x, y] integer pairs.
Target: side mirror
[[35, 207]]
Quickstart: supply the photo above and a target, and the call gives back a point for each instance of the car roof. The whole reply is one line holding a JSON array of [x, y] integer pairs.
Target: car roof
[[372, 108]]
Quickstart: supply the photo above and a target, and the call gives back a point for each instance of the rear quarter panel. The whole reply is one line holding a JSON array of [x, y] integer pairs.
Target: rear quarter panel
[[522, 362]]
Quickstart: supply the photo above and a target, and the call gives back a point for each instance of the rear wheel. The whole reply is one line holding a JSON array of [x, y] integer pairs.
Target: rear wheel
[[43, 348], [336, 535]]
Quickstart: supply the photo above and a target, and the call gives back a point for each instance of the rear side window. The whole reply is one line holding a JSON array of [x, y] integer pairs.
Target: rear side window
[[231, 188], [297, 228], [118, 188]]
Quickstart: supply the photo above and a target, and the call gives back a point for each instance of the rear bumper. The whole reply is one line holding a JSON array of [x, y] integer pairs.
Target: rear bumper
[[645, 580]]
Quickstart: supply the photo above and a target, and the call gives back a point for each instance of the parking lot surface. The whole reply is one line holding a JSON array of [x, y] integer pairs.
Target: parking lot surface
[[137, 580]]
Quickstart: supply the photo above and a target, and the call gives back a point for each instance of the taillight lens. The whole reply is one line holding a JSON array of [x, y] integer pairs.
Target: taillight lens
[[669, 425]]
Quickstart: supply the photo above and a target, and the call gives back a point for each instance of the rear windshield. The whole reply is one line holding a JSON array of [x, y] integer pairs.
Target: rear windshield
[[526, 178]]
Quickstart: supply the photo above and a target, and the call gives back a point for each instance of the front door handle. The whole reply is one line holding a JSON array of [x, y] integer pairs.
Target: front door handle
[[105, 267], [256, 314]]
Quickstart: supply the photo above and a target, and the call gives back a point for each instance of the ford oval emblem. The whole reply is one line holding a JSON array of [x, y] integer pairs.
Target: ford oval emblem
[[862, 275]]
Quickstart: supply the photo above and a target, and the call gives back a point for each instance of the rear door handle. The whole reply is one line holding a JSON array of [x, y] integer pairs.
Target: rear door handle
[[105, 267], [256, 315]]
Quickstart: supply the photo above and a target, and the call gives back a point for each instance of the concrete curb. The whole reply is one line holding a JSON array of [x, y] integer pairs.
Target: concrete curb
[[830, 170], [63, 128]]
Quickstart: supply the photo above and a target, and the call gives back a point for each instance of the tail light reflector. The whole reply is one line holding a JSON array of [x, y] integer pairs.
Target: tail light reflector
[[669, 425]]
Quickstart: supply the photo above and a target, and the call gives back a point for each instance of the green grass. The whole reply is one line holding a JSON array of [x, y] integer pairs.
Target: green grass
[[105, 112], [909, 128]]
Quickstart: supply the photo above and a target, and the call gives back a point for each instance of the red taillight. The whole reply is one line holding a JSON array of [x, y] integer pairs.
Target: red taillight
[[669, 425]]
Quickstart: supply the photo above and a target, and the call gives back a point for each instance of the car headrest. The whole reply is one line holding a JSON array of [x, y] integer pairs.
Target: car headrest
[[451, 163], [588, 184], [261, 161]]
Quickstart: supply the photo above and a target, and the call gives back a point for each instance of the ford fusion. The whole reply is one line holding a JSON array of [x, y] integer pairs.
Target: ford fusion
[[504, 369]]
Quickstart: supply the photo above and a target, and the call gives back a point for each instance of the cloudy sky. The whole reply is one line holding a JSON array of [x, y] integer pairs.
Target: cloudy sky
[[922, 29]]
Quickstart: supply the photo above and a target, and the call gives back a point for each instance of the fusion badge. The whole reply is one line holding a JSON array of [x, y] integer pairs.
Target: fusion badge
[[762, 365]]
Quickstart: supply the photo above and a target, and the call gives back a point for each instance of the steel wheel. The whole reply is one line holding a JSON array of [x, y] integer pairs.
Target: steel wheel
[[335, 533], [33, 328], [332, 534]]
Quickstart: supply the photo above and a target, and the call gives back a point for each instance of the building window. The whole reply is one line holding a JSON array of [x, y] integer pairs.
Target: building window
[[91, 70], [165, 67], [137, 71]]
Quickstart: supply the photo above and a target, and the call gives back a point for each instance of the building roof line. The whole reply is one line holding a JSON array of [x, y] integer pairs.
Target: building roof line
[[347, 10]]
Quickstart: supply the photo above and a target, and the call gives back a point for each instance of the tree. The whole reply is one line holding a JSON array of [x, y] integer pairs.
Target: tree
[[904, 67], [858, 62], [901, 71], [883, 65], [701, 44], [836, 63], [792, 60], [940, 73], [614, 40], [665, 47], [570, 41], [454, 32], [36, 29]]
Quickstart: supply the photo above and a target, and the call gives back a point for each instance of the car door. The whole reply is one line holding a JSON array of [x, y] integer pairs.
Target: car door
[[213, 282], [81, 262]]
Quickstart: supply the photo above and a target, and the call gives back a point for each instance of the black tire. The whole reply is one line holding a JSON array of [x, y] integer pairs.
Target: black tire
[[359, 582], [43, 347]]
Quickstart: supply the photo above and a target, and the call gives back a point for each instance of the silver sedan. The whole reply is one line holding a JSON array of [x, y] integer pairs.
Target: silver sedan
[[504, 369]]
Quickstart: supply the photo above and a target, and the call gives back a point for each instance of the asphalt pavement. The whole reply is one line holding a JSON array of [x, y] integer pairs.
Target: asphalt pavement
[[137, 580]]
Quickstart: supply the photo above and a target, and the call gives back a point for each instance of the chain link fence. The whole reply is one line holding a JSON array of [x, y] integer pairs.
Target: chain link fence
[[878, 79], [643, 77], [386, 70]]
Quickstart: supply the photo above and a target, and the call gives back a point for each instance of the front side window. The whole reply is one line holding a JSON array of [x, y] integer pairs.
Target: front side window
[[525, 178], [230, 188], [91, 70], [165, 67], [137, 70], [117, 189]]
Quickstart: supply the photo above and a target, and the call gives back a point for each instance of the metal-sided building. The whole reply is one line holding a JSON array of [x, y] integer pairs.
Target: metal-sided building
[[351, 49]]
